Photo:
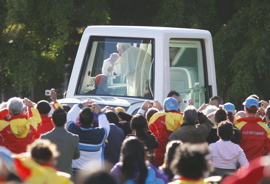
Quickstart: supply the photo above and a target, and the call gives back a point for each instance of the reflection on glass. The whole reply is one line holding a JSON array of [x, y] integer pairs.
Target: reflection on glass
[[187, 70], [117, 67]]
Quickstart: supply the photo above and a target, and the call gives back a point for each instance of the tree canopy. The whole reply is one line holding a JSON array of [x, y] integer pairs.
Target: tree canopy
[[39, 39], [241, 53]]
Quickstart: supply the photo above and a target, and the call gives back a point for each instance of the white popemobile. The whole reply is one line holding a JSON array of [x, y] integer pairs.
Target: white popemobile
[[147, 63]]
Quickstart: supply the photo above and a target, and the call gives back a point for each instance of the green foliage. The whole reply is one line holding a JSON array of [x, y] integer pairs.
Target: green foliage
[[130, 12], [40, 38], [37, 35], [188, 14], [241, 53], [3, 80]]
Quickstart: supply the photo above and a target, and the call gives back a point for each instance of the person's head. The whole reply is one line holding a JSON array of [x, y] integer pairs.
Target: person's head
[[240, 114], [225, 130], [150, 112], [138, 123], [209, 112], [124, 116], [42, 151], [59, 117], [132, 157], [189, 160], [169, 155], [170, 104], [122, 47], [267, 114], [209, 109], [216, 100], [119, 109], [43, 107], [101, 81], [175, 95], [112, 117], [230, 108], [251, 105], [220, 115], [114, 57], [86, 117], [15, 106], [190, 115], [66, 107]]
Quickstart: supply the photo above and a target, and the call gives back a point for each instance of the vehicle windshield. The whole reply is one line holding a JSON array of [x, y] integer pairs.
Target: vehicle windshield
[[117, 67]]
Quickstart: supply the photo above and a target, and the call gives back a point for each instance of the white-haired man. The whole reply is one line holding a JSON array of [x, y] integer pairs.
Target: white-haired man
[[127, 65], [18, 131]]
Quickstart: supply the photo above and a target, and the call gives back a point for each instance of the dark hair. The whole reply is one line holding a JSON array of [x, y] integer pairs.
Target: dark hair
[[173, 93], [59, 117], [267, 112], [217, 98], [43, 107], [225, 130], [169, 155], [190, 115], [230, 116], [124, 116], [66, 107], [86, 117], [139, 126], [99, 177], [138, 122], [189, 160], [112, 117], [150, 112], [42, 150], [133, 160], [220, 115], [251, 110]]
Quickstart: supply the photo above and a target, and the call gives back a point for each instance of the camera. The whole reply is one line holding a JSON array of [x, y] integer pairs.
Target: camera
[[186, 101], [151, 103], [47, 92]]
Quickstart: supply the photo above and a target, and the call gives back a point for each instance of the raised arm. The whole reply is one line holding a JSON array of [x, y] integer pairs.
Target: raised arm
[[102, 119]]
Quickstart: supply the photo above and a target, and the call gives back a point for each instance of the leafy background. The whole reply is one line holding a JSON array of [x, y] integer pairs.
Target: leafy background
[[39, 39]]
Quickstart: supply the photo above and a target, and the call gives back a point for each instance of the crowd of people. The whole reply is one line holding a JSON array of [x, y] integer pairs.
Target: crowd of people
[[48, 142]]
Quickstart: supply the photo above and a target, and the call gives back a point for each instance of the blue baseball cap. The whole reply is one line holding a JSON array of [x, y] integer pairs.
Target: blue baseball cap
[[171, 104], [249, 102], [229, 107]]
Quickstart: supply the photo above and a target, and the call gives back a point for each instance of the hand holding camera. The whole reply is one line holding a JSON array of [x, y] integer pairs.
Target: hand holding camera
[[86, 103], [189, 102], [27, 102]]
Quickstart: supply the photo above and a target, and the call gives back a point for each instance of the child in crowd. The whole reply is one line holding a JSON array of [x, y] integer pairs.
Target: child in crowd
[[224, 154]]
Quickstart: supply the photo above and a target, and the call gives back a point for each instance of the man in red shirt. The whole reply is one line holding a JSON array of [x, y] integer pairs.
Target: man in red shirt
[[44, 109], [46, 125], [162, 124], [255, 134], [18, 130]]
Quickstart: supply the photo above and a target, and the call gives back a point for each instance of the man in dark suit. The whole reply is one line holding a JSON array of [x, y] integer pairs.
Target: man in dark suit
[[67, 143]]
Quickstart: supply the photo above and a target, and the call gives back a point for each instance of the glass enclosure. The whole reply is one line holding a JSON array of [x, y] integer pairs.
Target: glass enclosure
[[118, 67], [187, 70]]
